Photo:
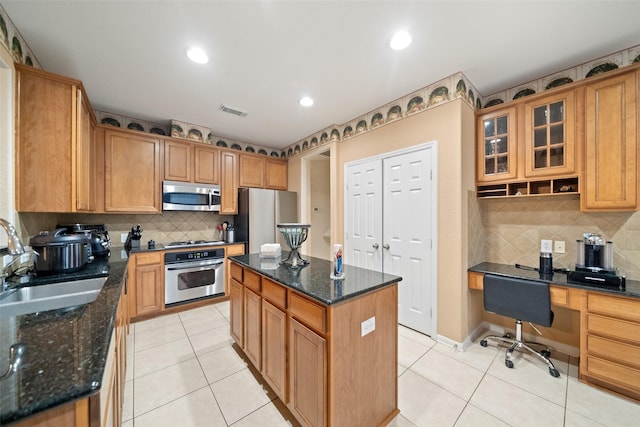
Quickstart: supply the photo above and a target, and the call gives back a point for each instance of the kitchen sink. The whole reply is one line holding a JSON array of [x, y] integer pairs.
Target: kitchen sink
[[32, 299]]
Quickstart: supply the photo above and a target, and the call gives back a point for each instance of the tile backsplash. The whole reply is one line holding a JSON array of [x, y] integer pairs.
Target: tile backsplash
[[513, 229], [165, 228]]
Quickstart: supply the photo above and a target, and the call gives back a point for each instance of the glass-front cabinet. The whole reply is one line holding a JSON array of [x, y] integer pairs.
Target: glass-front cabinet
[[496, 146], [550, 135]]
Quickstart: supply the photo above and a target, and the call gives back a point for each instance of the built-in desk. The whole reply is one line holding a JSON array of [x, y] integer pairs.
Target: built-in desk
[[609, 325]]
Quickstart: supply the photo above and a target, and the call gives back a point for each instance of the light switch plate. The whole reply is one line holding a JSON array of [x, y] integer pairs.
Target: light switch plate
[[368, 326], [546, 246], [123, 237], [558, 246]]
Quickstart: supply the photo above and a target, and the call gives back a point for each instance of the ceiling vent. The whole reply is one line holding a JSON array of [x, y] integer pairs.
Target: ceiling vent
[[232, 110]]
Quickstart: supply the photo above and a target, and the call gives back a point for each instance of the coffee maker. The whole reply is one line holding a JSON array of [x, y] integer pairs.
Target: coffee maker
[[594, 254]]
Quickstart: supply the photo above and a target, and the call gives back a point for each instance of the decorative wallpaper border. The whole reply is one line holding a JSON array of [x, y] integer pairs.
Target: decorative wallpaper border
[[13, 42], [448, 89]]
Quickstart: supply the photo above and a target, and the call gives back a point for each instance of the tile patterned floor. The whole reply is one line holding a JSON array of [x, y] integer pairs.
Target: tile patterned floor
[[182, 371]]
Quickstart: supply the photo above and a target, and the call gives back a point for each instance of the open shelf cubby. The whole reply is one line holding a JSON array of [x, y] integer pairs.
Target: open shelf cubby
[[540, 187]]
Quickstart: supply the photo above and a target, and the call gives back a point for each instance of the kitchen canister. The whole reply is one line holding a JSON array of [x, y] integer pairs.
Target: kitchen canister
[[337, 267]]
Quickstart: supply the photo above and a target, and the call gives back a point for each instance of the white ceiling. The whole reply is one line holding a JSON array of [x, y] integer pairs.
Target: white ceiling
[[265, 55]]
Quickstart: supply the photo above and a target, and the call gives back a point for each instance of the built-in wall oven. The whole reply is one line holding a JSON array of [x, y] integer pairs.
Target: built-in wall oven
[[193, 274]]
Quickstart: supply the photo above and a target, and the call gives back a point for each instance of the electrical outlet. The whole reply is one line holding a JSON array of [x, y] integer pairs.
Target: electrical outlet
[[123, 237], [368, 326], [558, 246]]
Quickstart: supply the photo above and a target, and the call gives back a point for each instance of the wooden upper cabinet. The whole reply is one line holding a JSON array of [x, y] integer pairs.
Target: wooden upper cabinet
[[206, 165], [178, 160], [610, 180], [550, 132], [277, 174], [54, 143], [133, 175], [252, 170], [228, 183], [496, 149]]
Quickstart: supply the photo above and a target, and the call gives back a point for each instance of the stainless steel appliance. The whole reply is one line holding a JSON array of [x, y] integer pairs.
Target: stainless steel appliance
[[595, 254], [193, 274], [61, 252], [100, 240], [259, 212], [194, 243], [184, 196]]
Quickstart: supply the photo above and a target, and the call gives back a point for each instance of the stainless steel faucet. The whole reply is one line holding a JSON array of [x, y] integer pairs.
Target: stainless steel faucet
[[14, 245]]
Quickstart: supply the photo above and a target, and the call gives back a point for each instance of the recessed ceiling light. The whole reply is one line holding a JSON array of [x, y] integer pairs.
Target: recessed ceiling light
[[400, 40], [305, 101], [197, 55]]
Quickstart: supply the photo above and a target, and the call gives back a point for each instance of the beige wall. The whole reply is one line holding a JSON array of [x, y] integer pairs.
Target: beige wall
[[7, 205], [320, 208], [452, 126]]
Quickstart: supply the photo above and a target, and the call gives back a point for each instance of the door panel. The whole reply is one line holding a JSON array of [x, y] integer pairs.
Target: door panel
[[407, 232], [363, 222]]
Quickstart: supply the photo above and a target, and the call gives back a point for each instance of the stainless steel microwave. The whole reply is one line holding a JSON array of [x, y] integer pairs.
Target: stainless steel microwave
[[184, 196]]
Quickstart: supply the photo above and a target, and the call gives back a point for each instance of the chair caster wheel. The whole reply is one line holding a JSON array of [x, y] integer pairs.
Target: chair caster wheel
[[509, 364], [483, 343], [546, 353], [554, 372]]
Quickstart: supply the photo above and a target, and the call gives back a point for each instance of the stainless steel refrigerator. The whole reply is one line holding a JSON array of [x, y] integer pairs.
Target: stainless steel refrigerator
[[259, 211]]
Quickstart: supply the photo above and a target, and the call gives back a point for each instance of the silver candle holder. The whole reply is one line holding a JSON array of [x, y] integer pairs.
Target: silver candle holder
[[295, 235]]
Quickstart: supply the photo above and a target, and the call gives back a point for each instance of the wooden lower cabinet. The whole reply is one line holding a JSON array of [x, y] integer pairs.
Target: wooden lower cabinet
[[252, 332], [314, 356], [307, 375], [146, 278], [236, 298], [274, 348]]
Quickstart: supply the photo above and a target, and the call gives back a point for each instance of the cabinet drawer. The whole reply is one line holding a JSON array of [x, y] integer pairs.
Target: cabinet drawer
[[614, 328], [236, 272], [148, 258], [274, 293], [310, 313], [626, 354], [559, 296], [614, 372], [231, 250], [252, 280], [619, 307], [476, 280]]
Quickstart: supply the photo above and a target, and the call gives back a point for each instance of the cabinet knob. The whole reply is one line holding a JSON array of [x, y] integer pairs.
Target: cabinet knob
[[375, 246], [386, 246]]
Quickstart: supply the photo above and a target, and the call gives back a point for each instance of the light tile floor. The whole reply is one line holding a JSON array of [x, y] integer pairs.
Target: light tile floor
[[182, 371]]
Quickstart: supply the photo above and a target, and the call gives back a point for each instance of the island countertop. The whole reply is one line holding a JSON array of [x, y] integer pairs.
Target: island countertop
[[313, 280], [65, 349]]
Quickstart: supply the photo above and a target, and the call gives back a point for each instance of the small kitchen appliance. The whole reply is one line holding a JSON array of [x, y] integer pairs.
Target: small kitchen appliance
[[594, 263], [99, 237], [61, 252]]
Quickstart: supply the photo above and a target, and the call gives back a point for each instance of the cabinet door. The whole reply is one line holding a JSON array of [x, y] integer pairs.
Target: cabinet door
[[133, 175], [236, 310], [274, 348], [149, 283], [178, 161], [307, 375], [85, 176], [496, 150], [611, 145], [206, 165], [550, 127], [44, 117], [251, 171], [276, 174], [252, 315], [229, 183]]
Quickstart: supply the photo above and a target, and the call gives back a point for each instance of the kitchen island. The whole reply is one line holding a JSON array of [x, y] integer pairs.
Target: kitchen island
[[65, 352], [327, 348]]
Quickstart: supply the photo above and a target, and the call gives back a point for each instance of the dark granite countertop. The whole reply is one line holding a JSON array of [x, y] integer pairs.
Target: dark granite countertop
[[314, 281], [632, 288], [65, 350]]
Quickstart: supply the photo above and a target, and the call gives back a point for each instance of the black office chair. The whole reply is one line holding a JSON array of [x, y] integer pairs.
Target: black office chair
[[523, 300]]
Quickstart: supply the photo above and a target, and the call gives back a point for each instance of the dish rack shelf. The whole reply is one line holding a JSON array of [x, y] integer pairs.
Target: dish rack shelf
[[544, 187]]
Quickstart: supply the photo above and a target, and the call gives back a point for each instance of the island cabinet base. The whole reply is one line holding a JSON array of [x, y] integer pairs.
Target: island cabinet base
[[331, 364]]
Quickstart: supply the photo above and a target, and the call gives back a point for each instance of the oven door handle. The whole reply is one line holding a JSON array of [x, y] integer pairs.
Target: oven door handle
[[216, 265]]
